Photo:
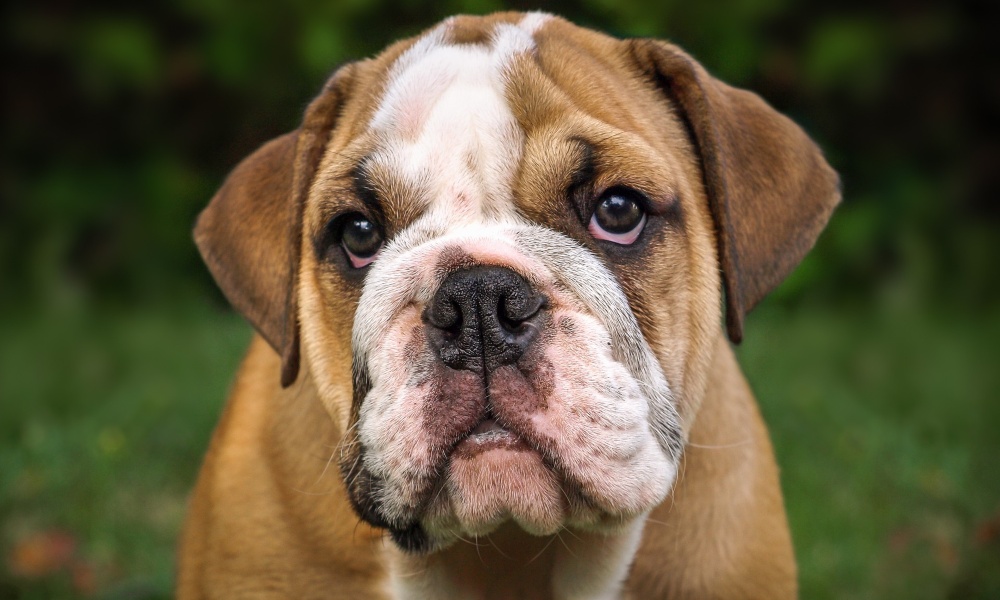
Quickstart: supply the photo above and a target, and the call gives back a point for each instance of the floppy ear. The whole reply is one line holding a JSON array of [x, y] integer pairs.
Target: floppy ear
[[250, 235], [770, 191]]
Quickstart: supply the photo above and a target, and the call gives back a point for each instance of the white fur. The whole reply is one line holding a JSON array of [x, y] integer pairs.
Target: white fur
[[534, 21], [444, 105]]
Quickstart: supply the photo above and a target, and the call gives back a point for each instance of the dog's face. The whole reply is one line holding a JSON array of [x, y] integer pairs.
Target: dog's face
[[498, 263], [497, 246]]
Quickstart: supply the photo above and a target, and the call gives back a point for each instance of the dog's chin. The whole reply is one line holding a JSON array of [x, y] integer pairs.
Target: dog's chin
[[494, 476]]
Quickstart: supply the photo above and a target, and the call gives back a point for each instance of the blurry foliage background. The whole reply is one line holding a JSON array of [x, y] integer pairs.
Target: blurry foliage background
[[876, 363]]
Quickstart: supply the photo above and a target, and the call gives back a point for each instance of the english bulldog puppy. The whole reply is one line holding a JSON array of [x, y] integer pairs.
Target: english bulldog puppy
[[488, 273]]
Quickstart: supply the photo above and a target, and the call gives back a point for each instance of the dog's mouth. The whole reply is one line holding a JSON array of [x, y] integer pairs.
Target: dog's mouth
[[490, 475], [489, 434], [486, 428]]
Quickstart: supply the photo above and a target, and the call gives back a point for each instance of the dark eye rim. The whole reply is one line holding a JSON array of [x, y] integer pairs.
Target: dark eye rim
[[330, 243]]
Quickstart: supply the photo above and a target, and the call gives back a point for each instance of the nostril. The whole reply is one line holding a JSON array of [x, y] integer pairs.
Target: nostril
[[517, 333], [445, 315], [515, 310], [455, 321]]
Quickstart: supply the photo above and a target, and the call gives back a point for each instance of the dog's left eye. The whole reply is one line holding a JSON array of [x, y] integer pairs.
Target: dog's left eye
[[360, 238], [619, 217]]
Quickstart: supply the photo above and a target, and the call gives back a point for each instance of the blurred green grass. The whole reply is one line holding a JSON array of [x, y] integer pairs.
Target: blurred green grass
[[883, 421], [104, 421]]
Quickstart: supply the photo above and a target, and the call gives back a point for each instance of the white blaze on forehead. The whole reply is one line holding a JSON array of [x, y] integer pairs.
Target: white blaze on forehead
[[443, 123], [534, 21]]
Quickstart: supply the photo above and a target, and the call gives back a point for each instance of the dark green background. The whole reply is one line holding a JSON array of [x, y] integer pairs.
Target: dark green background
[[875, 364]]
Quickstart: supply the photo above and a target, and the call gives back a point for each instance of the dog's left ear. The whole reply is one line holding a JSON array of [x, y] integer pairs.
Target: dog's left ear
[[250, 235], [770, 191]]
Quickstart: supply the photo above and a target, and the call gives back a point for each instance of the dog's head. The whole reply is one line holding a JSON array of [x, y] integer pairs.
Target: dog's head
[[497, 248]]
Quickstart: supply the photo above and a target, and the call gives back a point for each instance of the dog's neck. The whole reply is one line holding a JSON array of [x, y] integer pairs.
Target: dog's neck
[[511, 564]]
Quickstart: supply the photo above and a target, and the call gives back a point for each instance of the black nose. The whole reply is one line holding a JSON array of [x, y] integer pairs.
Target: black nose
[[483, 317]]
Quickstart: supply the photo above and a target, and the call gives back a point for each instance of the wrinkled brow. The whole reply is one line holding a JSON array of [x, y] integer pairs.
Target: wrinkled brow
[[382, 188], [364, 185], [586, 164]]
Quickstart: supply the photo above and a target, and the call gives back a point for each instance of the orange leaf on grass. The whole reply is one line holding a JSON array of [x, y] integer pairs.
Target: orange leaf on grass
[[41, 554]]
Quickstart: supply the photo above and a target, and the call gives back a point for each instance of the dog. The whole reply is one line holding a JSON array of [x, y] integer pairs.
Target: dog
[[493, 273]]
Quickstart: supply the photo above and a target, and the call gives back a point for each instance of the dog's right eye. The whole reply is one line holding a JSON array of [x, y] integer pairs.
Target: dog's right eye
[[360, 238]]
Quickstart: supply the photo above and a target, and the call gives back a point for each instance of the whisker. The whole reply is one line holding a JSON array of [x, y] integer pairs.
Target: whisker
[[719, 446], [326, 467], [542, 551], [307, 493], [489, 538], [565, 545]]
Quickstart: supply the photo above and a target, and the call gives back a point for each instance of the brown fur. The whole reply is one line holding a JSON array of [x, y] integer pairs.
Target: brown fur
[[739, 187]]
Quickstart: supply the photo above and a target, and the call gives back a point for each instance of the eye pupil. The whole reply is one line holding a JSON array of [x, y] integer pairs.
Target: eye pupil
[[361, 237], [618, 213]]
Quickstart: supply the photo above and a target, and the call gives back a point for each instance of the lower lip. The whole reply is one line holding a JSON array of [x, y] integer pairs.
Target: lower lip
[[488, 438]]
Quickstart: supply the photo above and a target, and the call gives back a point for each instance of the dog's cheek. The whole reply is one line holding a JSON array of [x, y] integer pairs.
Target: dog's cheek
[[589, 415], [385, 434], [384, 412], [412, 416], [410, 437]]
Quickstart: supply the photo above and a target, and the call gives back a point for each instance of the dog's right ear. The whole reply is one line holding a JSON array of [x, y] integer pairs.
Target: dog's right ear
[[250, 235], [770, 190]]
